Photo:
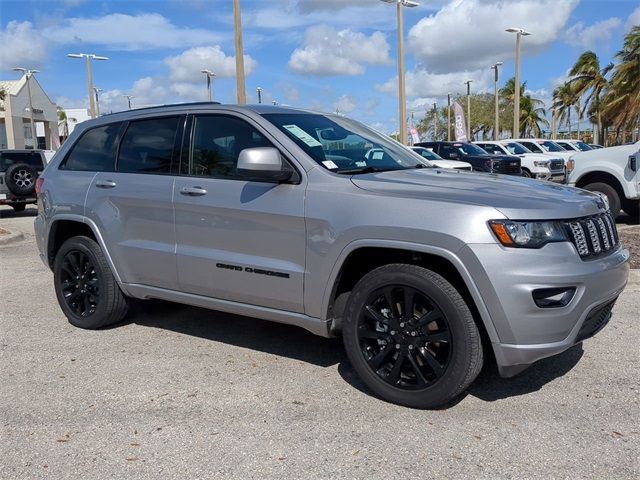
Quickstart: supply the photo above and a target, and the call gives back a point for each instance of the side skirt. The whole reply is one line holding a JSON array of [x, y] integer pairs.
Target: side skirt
[[314, 325]]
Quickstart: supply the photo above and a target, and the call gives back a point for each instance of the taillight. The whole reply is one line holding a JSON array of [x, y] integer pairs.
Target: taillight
[[39, 184]]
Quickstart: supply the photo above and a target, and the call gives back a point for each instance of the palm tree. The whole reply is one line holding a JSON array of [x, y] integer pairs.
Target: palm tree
[[532, 116], [587, 78], [3, 94], [622, 99], [564, 98]]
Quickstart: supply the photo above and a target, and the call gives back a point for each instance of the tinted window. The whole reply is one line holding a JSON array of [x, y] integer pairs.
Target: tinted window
[[148, 146], [95, 151], [532, 146], [217, 142], [447, 150], [516, 148], [30, 158], [426, 153]]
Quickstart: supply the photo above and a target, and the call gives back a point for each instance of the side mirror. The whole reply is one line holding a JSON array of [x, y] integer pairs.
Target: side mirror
[[454, 156], [263, 164]]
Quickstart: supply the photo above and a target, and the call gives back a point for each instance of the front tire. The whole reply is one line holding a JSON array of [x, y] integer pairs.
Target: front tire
[[610, 192], [87, 291], [411, 337], [526, 173]]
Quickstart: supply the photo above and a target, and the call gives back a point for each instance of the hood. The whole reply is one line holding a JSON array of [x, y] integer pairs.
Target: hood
[[517, 198], [540, 156]]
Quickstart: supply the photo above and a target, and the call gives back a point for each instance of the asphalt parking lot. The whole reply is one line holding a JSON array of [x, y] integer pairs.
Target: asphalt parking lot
[[181, 392]]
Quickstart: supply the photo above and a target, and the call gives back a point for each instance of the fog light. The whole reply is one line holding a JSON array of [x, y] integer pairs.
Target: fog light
[[553, 297]]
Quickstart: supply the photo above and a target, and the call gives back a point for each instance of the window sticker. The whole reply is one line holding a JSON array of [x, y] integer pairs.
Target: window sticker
[[361, 164], [329, 164], [304, 136]]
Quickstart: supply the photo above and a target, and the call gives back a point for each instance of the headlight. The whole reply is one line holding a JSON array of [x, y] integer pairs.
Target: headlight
[[541, 163], [527, 234], [570, 165], [604, 198]]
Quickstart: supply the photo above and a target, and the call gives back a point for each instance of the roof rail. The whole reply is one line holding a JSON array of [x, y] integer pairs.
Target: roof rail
[[187, 104]]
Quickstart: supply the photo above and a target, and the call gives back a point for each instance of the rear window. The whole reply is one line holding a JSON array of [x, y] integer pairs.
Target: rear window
[[30, 158], [148, 146], [95, 151]]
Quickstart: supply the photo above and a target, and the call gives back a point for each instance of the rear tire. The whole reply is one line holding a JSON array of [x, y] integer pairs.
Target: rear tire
[[610, 192], [422, 355], [87, 291], [19, 207]]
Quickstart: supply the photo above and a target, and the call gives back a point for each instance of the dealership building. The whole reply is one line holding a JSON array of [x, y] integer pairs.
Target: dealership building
[[15, 119]]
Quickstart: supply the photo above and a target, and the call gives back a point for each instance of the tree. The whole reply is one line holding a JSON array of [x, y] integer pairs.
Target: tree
[[3, 94], [564, 99], [588, 79], [532, 116]]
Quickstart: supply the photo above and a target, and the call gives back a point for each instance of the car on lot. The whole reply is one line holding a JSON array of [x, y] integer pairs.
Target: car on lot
[[19, 170], [424, 272], [440, 162], [534, 165], [612, 171], [574, 145], [542, 145], [480, 160]]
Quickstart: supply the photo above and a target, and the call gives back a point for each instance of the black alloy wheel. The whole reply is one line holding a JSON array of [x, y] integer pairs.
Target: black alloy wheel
[[79, 283], [404, 337]]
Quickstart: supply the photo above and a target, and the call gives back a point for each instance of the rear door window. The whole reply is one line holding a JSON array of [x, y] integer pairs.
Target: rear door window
[[149, 146], [95, 151], [33, 159]]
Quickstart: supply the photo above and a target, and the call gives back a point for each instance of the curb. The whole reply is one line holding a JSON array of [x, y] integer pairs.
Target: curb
[[11, 238]]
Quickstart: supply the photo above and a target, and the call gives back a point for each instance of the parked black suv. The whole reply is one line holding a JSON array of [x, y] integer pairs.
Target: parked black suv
[[19, 170], [480, 160]]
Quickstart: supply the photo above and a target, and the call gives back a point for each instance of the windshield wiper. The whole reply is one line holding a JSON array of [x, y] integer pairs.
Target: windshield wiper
[[368, 169]]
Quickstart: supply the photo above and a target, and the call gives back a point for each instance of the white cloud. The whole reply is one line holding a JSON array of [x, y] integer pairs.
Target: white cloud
[[421, 83], [345, 104], [634, 19], [469, 34], [326, 51], [588, 37], [128, 32], [186, 66], [21, 46]]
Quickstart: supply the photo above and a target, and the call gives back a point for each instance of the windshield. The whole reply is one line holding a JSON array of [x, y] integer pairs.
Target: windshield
[[583, 146], [469, 149], [426, 153], [343, 145], [550, 146], [516, 149]]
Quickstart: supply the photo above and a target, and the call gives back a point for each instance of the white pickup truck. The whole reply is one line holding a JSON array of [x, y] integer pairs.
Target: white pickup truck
[[612, 171]]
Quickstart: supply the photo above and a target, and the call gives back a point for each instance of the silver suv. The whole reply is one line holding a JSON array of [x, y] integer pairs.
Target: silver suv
[[280, 214]]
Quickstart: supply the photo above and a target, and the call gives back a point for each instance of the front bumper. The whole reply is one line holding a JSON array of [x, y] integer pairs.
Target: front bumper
[[506, 278]]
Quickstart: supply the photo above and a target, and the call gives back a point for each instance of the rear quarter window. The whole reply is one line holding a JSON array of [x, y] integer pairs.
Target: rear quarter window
[[95, 151], [30, 158]]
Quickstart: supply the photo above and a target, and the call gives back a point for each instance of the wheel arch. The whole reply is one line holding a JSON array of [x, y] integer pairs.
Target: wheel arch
[[602, 177], [361, 257]]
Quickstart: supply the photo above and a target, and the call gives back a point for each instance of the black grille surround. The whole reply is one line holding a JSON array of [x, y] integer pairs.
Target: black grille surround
[[507, 166], [556, 165], [593, 236], [596, 320]]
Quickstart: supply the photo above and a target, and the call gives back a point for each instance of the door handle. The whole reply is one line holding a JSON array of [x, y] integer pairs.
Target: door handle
[[105, 184], [193, 191]]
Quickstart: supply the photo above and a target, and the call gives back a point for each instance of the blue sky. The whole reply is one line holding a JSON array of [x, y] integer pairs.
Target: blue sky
[[320, 54]]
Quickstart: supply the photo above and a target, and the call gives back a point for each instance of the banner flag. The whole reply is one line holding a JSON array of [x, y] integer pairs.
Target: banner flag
[[460, 126]]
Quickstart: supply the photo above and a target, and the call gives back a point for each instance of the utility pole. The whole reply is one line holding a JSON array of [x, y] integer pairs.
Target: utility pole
[[259, 90], [468, 83], [496, 127], [88, 57], [435, 121], [128, 97], [449, 117], [28, 74], [237, 26], [401, 83], [516, 99]]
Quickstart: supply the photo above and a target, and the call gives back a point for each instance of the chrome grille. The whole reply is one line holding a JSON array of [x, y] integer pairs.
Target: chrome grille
[[594, 235]]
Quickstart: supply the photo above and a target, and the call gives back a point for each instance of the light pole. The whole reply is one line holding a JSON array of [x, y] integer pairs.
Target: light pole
[[259, 90], [88, 57], [209, 75], [97, 90], [516, 98], [128, 97], [496, 127], [468, 83], [449, 117], [237, 27], [401, 89], [28, 73]]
